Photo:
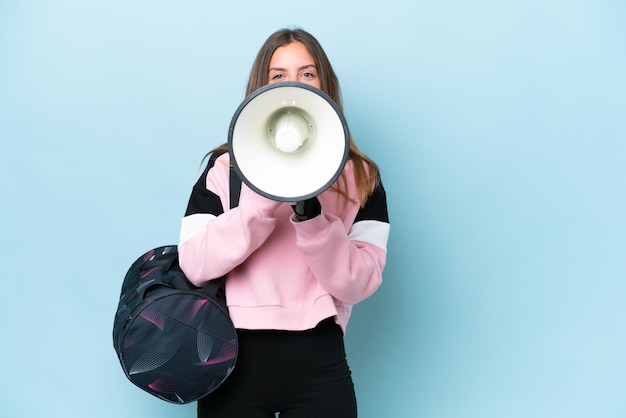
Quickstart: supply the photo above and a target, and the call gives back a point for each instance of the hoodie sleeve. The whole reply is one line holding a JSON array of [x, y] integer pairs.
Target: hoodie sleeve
[[348, 265], [213, 240]]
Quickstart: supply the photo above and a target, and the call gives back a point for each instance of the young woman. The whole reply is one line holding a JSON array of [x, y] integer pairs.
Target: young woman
[[294, 271]]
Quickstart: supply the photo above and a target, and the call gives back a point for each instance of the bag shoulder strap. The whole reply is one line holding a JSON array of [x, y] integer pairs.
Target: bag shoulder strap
[[234, 180], [235, 188], [214, 288], [217, 287]]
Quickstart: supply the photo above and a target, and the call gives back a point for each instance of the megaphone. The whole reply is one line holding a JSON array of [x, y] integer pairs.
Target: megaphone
[[288, 141]]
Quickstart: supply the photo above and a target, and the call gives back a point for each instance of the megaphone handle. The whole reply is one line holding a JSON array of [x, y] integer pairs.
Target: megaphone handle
[[307, 209]]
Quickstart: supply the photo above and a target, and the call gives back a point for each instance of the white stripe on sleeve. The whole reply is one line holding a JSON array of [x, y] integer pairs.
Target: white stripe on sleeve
[[371, 232], [193, 225]]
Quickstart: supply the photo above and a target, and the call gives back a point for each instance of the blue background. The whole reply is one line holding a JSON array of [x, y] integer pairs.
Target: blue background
[[500, 129]]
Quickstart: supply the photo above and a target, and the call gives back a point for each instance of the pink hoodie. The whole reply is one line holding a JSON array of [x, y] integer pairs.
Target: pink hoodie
[[284, 274]]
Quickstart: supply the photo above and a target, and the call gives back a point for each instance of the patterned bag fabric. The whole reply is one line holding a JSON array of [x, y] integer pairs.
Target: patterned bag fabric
[[172, 339]]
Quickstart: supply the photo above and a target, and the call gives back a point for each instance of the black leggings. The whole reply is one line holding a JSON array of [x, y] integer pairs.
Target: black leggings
[[298, 374]]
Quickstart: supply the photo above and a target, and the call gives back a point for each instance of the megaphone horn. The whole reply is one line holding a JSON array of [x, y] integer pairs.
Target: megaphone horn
[[288, 141]]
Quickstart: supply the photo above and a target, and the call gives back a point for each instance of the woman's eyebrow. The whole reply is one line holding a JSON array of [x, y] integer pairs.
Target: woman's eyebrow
[[304, 67]]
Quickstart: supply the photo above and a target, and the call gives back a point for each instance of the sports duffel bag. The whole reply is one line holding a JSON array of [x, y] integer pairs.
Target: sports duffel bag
[[172, 339]]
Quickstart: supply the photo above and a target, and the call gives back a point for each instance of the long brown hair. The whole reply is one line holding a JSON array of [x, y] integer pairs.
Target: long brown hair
[[366, 173]]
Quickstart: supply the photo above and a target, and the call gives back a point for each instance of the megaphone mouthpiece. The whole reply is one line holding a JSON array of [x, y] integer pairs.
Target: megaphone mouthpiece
[[289, 131]]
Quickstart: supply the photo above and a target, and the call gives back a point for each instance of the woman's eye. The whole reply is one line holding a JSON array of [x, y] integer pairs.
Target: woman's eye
[[277, 77], [308, 75]]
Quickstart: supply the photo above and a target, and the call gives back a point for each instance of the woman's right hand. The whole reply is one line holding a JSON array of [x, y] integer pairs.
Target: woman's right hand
[[262, 205]]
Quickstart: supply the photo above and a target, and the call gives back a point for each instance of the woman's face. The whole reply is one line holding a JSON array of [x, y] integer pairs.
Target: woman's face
[[293, 62]]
